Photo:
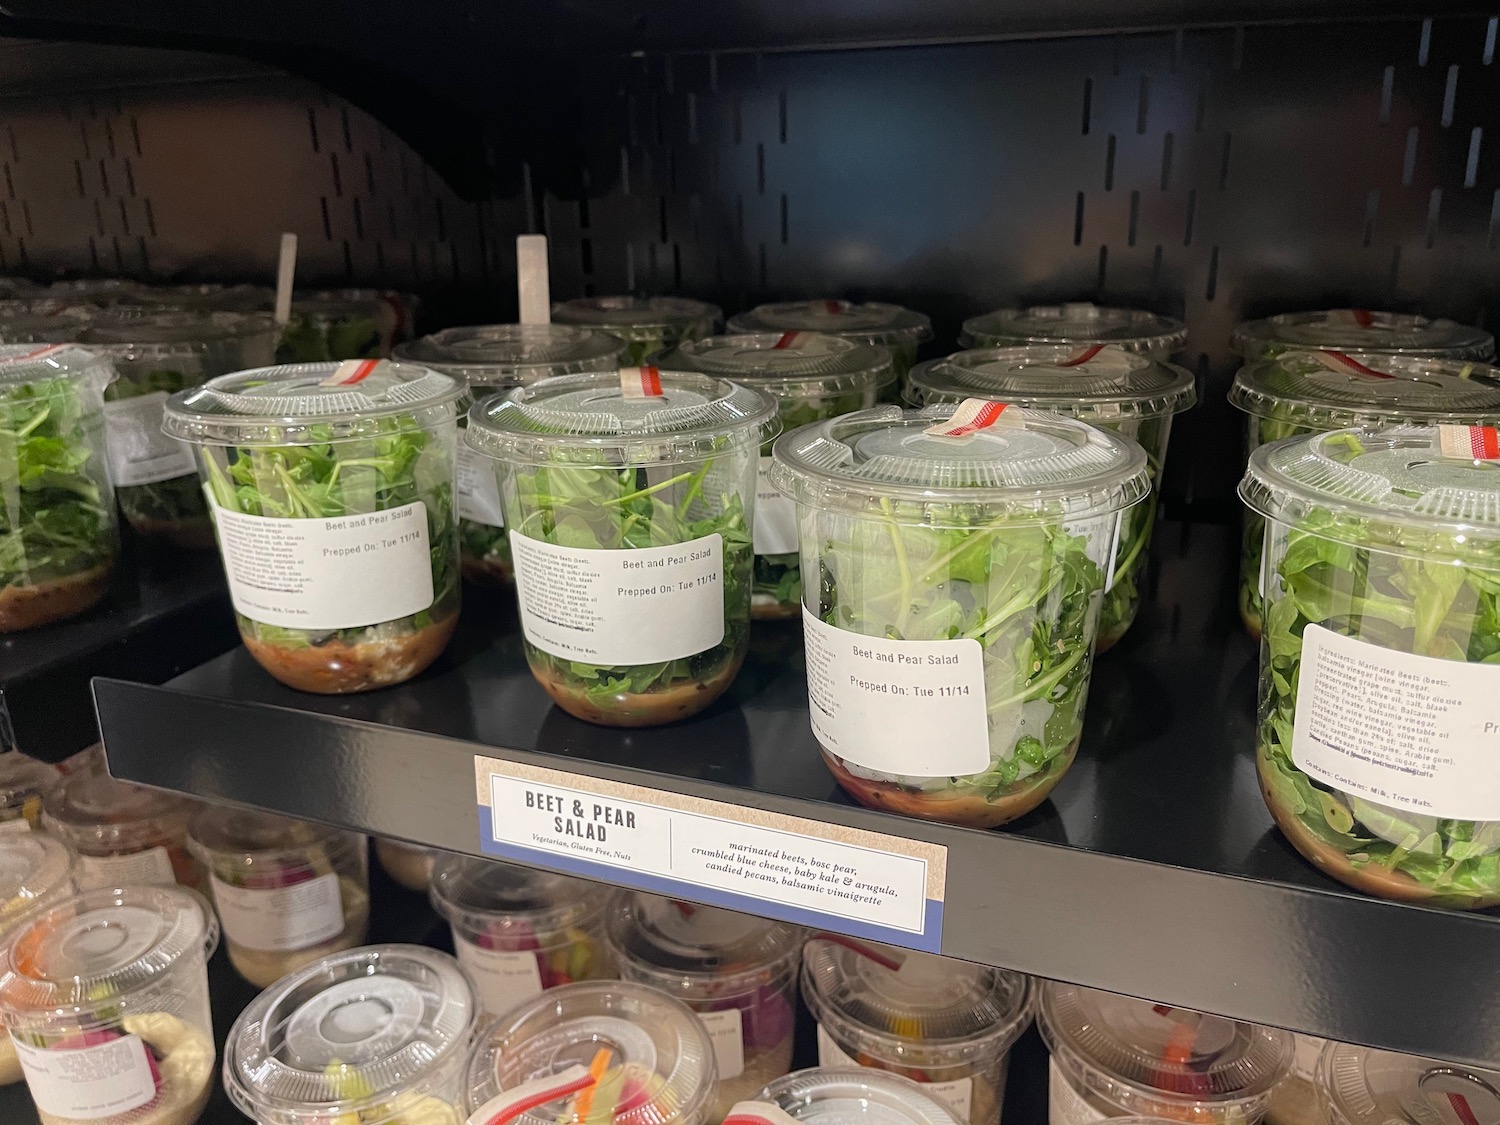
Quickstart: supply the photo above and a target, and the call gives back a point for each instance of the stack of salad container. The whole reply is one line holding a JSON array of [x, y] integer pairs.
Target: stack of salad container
[[1124, 391], [738, 972], [833, 1096], [519, 931], [24, 784], [961, 532], [813, 377], [1079, 324], [57, 507], [123, 833], [1382, 597], [947, 1024], [648, 326], [339, 477], [1301, 391], [629, 497], [490, 359], [899, 330], [36, 872], [344, 324], [1361, 330], [1361, 1086]]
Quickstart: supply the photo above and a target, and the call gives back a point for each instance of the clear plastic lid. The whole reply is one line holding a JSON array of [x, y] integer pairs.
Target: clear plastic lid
[[1145, 1057], [691, 417], [1363, 1086], [1077, 322], [258, 835], [1362, 330], [655, 1058], [33, 322], [101, 290], [1422, 478], [617, 314], [216, 296], [789, 364], [359, 1036], [1324, 389], [509, 355], [90, 948], [677, 939], [100, 815], [480, 894], [1093, 383], [275, 405], [826, 1096], [1028, 465], [872, 321], [32, 363], [24, 782], [35, 870], [142, 333]]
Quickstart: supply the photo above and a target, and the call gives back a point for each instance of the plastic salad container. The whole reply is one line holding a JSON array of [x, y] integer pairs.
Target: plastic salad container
[[944, 1023], [829, 1096], [1296, 1099], [344, 324], [812, 377], [409, 866], [106, 999], [36, 872], [1078, 323], [332, 487], [489, 359], [738, 972], [24, 782], [287, 892], [1304, 392], [57, 509], [899, 329], [101, 291], [1129, 393], [629, 499], [519, 931], [648, 326], [950, 635], [614, 1052], [1360, 330], [1113, 1056], [375, 1036], [1382, 593], [124, 834], [1362, 1086]]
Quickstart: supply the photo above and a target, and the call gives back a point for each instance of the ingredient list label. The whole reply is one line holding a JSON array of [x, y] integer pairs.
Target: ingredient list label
[[151, 868], [139, 453], [281, 918], [914, 708], [478, 490], [957, 1094], [775, 526], [89, 1083], [785, 867], [1413, 732], [728, 1037], [503, 979], [638, 606], [340, 573], [1065, 1105]]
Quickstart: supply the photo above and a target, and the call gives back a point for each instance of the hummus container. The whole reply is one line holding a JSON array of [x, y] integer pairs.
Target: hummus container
[[124, 834]]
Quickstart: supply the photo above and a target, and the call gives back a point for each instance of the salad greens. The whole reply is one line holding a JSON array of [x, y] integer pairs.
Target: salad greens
[[176, 506], [485, 551], [1263, 431], [313, 336], [1123, 598]]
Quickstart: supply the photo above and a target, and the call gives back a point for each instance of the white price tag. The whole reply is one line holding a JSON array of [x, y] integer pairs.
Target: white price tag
[[139, 453], [503, 979], [775, 523], [278, 919], [152, 868], [478, 488], [89, 1083], [726, 1030]]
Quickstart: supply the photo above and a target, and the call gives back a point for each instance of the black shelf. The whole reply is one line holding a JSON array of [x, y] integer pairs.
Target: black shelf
[[1154, 870]]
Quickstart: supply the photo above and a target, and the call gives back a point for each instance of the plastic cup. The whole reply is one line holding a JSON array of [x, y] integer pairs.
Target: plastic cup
[[1360, 330], [36, 872], [489, 359], [964, 548], [1078, 324], [519, 931], [105, 996], [812, 377], [1363, 1086], [1296, 392], [832, 1096], [58, 510], [738, 972], [338, 481], [630, 498], [410, 867], [648, 326], [1113, 1056], [899, 329], [651, 1059], [1382, 572], [287, 892], [24, 783], [1128, 392], [1295, 1099], [377, 1035], [946, 1024], [342, 324], [101, 291], [124, 834]]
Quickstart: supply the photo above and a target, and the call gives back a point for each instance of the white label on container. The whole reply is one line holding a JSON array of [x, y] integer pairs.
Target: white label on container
[[139, 453], [726, 1031], [957, 1095], [1306, 1050], [1065, 1105], [478, 489], [277, 919], [340, 573], [503, 979], [775, 516], [638, 606], [152, 867], [1411, 732], [89, 1083], [910, 708]]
